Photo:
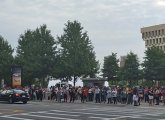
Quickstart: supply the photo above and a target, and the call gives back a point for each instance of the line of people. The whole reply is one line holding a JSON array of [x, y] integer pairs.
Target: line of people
[[85, 94], [107, 95]]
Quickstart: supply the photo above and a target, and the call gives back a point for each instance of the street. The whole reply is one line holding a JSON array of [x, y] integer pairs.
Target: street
[[78, 111]]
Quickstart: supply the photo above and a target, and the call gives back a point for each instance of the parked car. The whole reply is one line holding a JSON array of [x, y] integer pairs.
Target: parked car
[[14, 95]]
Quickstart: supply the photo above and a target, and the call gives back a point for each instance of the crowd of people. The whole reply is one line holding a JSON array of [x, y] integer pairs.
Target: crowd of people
[[109, 95]]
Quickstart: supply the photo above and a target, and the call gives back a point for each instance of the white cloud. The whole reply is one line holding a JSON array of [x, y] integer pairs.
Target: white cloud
[[160, 3]]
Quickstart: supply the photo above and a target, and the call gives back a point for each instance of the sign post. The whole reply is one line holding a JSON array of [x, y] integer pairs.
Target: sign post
[[16, 76]]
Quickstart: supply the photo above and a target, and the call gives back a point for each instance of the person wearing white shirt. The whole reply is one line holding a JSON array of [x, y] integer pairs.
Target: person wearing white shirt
[[97, 95], [135, 99], [114, 95]]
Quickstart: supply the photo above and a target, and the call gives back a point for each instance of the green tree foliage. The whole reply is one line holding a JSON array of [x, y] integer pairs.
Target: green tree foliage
[[110, 67], [131, 67], [154, 64], [76, 54], [36, 53], [6, 60]]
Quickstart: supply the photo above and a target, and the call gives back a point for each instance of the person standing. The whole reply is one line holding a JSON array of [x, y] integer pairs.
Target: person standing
[[163, 94], [65, 94], [135, 99], [123, 96], [72, 95], [84, 94], [59, 94], [90, 94], [114, 95], [97, 95], [129, 96], [157, 96], [40, 94], [109, 95], [146, 99], [103, 95], [150, 96]]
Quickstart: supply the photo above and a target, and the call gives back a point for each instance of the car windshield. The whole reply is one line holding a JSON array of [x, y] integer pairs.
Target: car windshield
[[19, 91]]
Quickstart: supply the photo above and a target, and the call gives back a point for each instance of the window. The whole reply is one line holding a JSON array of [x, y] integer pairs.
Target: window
[[146, 42], [162, 31], [160, 40], [150, 41], [161, 47], [143, 35], [157, 41], [158, 32], [149, 34], [9, 91], [153, 41], [3, 92], [164, 40], [152, 33], [146, 34]]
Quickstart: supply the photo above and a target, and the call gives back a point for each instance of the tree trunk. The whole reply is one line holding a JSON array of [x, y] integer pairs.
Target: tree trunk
[[74, 81]]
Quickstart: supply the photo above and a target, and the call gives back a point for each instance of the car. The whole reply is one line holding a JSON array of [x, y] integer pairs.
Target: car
[[14, 95]]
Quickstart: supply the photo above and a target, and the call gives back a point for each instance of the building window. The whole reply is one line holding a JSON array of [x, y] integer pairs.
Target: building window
[[157, 41], [146, 34], [146, 42], [152, 33], [142, 35], [153, 41], [158, 32], [161, 47], [162, 31], [149, 34], [160, 40], [164, 40]]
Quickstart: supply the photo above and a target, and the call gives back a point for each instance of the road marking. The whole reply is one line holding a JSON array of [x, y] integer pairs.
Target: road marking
[[117, 118], [17, 111], [91, 113], [58, 114], [17, 118], [98, 114], [149, 107], [41, 116]]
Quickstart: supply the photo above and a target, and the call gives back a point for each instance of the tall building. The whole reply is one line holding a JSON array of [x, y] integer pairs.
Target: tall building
[[122, 60], [154, 36]]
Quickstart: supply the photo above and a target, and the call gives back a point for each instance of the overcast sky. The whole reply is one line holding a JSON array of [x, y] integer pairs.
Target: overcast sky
[[112, 25]]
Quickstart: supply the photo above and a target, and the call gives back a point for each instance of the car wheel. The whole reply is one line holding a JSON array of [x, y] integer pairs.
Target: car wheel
[[10, 100], [24, 102]]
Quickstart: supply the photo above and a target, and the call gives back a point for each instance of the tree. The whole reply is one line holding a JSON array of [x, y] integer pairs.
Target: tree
[[77, 55], [6, 60], [110, 67], [154, 64], [131, 68], [36, 53]]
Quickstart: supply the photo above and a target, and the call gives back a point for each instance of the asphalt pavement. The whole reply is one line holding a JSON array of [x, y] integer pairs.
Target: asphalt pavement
[[51, 110]]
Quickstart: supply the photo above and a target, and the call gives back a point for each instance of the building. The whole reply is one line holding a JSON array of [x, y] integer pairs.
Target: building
[[154, 36], [91, 82], [122, 60]]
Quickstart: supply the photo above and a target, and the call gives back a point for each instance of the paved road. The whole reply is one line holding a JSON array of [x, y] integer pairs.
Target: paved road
[[78, 111]]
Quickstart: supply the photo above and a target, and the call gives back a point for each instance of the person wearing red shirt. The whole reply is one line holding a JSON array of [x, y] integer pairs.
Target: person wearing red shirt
[[84, 94]]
